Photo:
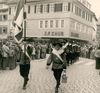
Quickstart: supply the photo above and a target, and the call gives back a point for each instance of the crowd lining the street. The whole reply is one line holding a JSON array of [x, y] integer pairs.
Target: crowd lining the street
[[10, 52]]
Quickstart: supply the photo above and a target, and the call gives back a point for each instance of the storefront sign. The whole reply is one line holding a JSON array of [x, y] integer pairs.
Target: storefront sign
[[50, 33]]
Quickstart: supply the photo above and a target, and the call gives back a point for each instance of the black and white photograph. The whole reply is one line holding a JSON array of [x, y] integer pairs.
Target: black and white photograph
[[49, 46]]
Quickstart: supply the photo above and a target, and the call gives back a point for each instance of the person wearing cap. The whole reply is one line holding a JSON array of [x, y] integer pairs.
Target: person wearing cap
[[58, 61]]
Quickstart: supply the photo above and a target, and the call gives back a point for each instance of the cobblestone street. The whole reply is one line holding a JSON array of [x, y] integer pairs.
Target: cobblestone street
[[82, 78]]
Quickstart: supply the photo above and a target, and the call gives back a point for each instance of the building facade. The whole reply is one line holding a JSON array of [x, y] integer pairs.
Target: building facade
[[57, 19], [4, 24], [98, 31]]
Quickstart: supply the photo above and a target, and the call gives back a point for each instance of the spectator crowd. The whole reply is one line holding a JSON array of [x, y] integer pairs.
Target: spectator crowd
[[10, 52]]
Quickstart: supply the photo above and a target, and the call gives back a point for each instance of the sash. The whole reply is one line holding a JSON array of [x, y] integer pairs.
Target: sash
[[57, 54]]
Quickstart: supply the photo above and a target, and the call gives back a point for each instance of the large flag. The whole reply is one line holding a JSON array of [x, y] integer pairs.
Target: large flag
[[18, 24], [18, 21]]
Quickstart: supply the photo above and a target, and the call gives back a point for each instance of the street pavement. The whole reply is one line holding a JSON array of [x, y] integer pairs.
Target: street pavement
[[82, 78]]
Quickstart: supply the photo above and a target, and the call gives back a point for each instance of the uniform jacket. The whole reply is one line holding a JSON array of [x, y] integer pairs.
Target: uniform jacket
[[56, 62], [24, 59]]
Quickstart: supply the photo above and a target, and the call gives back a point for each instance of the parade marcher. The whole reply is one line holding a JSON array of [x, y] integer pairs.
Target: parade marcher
[[24, 66], [97, 58], [5, 55], [57, 59]]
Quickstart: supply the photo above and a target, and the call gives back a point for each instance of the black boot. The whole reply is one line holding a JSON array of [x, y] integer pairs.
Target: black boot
[[25, 82]]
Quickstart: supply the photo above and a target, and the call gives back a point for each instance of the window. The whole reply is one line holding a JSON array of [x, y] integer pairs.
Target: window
[[68, 6], [86, 16], [29, 9], [0, 30], [82, 29], [86, 29], [91, 18], [0, 17], [51, 7], [72, 25], [5, 17], [57, 23], [80, 12], [48, 8], [65, 6], [62, 23], [72, 7], [77, 27], [41, 24], [83, 14], [76, 10], [10, 11], [4, 30], [58, 7], [51, 24], [46, 24], [35, 9], [41, 8]]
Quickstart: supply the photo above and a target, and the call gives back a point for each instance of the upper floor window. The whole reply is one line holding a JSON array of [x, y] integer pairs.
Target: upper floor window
[[91, 18], [29, 9], [41, 24], [46, 24], [4, 30], [9, 10], [65, 6], [35, 8], [62, 23], [0, 30], [0, 17], [41, 8], [51, 24], [69, 6], [76, 10], [5, 17], [58, 7], [51, 7], [80, 11], [48, 8], [57, 23], [83, 14]]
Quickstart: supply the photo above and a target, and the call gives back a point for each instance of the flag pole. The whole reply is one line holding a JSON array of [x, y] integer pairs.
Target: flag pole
[[24, 32]]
